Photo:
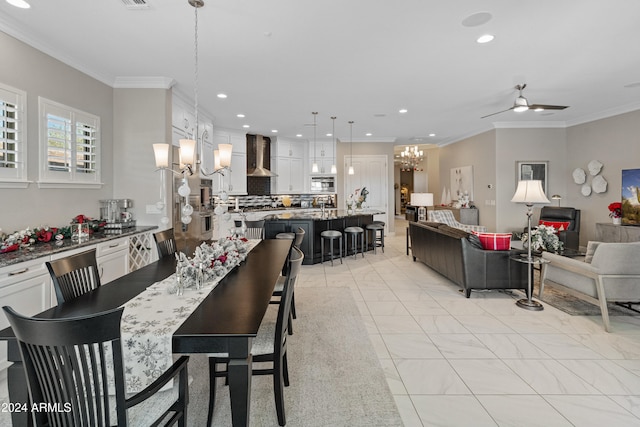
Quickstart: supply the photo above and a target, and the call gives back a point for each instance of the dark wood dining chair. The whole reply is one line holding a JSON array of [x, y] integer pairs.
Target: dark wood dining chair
[[65, 362], [269, 346], [166, 242], [74, 275], [255, 229], [277, 290]]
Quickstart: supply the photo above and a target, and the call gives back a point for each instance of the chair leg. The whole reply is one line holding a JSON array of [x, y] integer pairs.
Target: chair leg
[[293, 305], [212, 390], [278, 389], [321, 250], [340, 241]]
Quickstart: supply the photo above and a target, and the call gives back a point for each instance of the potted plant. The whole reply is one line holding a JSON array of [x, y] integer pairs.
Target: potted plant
[[615, 212]]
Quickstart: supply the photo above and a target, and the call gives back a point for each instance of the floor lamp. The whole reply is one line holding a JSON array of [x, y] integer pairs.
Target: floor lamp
[[422, 200], [529, 192]]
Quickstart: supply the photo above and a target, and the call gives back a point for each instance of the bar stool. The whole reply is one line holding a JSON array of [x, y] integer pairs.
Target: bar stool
[[378, 239], [330, 235], [354, 233]]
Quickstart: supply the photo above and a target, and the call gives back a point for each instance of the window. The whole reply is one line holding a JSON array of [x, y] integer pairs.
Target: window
[[13, 125], [69, 147]]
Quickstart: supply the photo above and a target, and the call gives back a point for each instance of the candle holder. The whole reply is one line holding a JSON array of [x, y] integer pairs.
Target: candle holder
[[79, 232]]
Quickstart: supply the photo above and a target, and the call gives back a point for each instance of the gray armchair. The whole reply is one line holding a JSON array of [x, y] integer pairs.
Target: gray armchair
[[612, 276]]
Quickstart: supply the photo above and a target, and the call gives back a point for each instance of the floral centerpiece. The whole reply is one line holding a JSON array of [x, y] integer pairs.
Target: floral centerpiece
[[615, 210], [543, 238], [358, 197], [210, 261]]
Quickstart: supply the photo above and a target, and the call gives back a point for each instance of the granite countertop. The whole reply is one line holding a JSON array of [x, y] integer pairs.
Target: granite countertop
[[44, 249], [318, 216]]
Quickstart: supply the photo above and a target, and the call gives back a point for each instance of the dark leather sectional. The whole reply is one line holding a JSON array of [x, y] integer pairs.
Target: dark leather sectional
[[449, 251]]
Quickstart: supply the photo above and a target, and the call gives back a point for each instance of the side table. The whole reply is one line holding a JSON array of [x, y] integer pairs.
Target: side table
[[528, 303]]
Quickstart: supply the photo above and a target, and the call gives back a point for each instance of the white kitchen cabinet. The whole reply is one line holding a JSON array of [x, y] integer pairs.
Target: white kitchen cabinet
[[237, 178], [26, 287], [325, 156], [234, 181], [113, 259], [290, 177], [283, 147]]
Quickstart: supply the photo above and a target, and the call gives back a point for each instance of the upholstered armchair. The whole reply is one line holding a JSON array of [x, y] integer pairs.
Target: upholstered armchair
[[568, 218], [613, 275], [445, 216]]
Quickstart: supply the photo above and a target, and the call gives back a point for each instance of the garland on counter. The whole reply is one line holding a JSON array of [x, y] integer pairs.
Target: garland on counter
[[31, 236]]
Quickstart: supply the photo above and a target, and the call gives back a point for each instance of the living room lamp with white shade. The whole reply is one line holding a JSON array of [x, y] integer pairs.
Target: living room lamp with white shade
[[529, 192], [422, 200]]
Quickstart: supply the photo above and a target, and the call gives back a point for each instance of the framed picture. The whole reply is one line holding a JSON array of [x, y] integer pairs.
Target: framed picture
[[527, 170]]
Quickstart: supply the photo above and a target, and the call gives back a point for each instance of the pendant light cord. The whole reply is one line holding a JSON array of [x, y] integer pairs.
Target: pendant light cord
[[351, 143], [315, 113], [195, 78]]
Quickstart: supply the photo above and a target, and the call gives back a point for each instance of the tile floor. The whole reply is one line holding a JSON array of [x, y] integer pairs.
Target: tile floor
[[483, 361]]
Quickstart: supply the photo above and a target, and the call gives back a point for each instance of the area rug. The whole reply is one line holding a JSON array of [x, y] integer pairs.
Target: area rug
[[336, 378], [575, 306]]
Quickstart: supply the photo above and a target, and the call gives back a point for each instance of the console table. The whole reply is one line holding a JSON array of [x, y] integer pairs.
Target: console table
[[607, 232]]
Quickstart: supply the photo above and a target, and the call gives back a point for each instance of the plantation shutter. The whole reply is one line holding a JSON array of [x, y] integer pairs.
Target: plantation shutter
[[12, 123]]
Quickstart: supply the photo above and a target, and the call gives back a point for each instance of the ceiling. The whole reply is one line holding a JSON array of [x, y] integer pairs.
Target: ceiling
[[358, 60]]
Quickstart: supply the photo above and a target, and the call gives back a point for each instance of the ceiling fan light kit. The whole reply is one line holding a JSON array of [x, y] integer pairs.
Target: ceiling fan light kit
[[521, 104]]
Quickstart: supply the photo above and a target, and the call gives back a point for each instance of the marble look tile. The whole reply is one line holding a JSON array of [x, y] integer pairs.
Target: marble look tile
[[592, 411], [461, 346], [441, 324], [551, 377], [378, 295], [630, 403], [379, 346], [605, 375], [483, 324], [393, 377], [424, 307], [430, 376], [527, 325], [511, 346], [411, 295], [445, 411], [396, 324], [490, 377], [561, 346], [387, 308], [411, 346], [610, 346], [407, 411], [523, 410], [370, 325], [464, 306]]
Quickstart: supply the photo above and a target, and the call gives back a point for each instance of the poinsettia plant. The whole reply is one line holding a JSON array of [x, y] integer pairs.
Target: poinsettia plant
[[615, 210], [543, 238]]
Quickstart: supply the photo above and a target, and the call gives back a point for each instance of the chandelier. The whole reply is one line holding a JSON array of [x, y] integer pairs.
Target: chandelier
[[411, 158]]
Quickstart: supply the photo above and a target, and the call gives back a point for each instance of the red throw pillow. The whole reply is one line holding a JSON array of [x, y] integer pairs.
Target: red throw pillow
[[558, 225], [494, 241]]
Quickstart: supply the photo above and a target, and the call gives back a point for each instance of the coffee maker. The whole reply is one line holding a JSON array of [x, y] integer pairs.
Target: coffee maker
[[115, 214]]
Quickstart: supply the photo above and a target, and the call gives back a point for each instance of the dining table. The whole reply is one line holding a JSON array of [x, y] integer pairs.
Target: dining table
[[225, 321]]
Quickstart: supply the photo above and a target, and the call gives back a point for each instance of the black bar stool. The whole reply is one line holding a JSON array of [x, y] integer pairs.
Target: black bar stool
[[354, 233], [377, 228], [330, 235]]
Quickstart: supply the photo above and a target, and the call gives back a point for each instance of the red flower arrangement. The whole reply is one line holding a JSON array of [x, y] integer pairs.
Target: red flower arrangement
[[615, 210]]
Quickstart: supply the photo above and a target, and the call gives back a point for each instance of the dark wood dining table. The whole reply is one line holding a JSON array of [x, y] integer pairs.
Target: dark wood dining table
[[227, 320]]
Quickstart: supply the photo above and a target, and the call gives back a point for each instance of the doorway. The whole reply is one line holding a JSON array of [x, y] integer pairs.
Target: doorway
[[371, 171]]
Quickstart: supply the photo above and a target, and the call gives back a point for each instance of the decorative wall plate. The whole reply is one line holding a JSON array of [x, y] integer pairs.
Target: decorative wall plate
[[599, 184], [594, 167], [579, 176], [586, 190]]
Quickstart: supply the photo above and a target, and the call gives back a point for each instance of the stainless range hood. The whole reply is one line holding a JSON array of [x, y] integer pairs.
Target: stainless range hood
[[259, 170]]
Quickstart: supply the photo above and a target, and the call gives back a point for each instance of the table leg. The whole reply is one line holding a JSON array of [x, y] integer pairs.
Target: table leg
[[240, 380]]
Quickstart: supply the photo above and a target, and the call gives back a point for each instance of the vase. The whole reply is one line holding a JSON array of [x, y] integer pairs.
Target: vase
[[616, 221]]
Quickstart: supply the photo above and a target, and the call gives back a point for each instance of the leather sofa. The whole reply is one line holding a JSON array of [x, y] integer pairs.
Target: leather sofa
[[449, 251]]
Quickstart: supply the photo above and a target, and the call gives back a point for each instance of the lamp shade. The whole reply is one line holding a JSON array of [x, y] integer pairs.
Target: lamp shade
[[421, 199], [225, 154], [216, 160], [161, 152], [187, 152], [530, 192]]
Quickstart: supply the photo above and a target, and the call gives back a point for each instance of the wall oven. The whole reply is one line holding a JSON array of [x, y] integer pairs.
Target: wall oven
[[323, 184]]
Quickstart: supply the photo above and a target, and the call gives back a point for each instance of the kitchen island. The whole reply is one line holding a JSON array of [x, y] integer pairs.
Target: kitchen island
[[314, 223]]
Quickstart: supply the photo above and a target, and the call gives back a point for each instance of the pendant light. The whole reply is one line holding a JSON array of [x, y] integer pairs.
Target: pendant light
[[314, 166], [334, 169], [351, 171]]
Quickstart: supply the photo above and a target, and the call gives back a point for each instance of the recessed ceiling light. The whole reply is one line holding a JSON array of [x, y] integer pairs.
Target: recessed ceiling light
[[432, 134], [299, 135], [485, 38], [240, 116], [329, 134], [380, 115], [368, 134], [477, 19], [222, 95], [245, 126], [274, 130], [403, 111], [19, 3]]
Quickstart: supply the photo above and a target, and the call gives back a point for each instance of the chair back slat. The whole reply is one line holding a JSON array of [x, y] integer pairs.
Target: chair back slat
[[255, 229], [65, 361], [284, 309], [74, 275], [165, 242], [299, 237]]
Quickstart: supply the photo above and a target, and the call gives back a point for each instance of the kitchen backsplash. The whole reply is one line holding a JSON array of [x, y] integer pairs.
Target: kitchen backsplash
[[276, 201]]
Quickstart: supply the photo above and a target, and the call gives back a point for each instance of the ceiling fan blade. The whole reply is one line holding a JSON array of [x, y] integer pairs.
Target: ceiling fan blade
[[548, 107], [493, 114]]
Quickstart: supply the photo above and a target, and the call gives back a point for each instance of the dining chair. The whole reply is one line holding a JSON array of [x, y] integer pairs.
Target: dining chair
[[66, 362], [255, 229], [166, 242], [74, 275], [270, 345], [277, 290]]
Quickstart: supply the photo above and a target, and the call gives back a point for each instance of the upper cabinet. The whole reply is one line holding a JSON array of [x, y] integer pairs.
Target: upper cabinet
[[235, 180], [183, 123], [324, 153], [287, 160]]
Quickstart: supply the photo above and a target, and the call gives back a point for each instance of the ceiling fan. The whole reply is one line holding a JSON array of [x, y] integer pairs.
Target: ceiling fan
[[522, 104]]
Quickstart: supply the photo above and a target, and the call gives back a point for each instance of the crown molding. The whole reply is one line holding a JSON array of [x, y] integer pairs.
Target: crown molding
[[530, 125], [615, 111], [148, 82]]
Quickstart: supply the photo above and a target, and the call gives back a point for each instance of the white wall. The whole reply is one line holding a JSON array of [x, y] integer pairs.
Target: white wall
[[38, 74]]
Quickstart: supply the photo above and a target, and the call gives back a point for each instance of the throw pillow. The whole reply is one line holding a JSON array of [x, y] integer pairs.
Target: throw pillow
[[558, 225], [494, 241], [591, 249]]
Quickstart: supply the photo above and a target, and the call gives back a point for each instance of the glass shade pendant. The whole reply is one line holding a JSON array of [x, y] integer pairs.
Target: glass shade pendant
[[351, 171], [314, 166]]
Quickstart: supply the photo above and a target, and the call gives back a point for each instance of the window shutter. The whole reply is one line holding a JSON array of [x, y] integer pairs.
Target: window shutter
[[58, 143], [12, 135]]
